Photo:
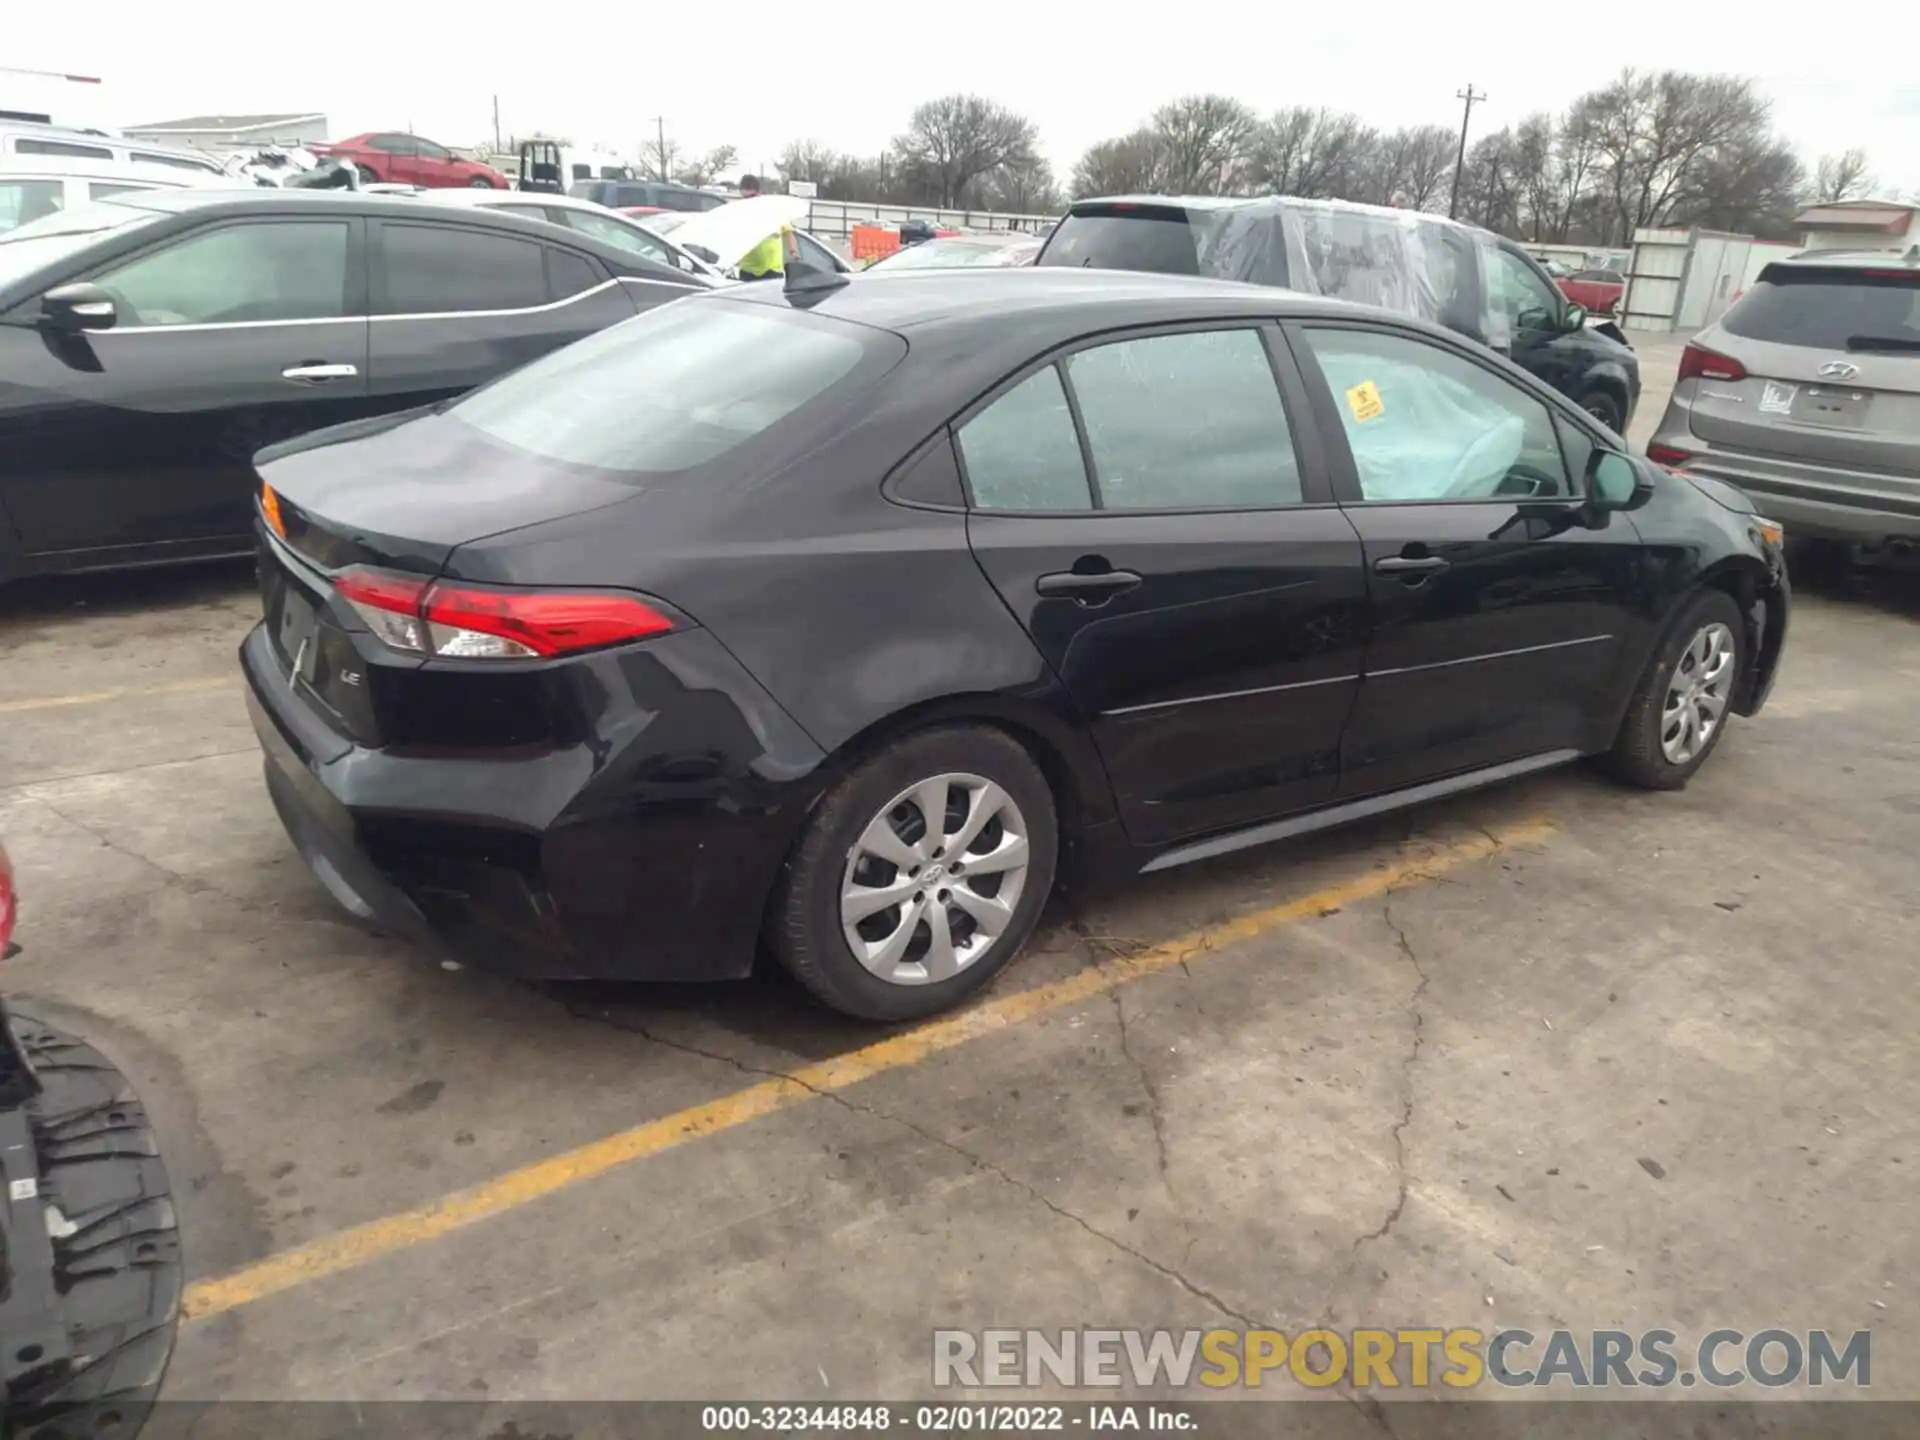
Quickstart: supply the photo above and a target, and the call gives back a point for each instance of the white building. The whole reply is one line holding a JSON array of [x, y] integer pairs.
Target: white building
[[234, 132]]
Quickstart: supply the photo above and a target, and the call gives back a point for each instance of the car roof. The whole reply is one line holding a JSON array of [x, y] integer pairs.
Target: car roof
[[78, 167], [988, 298], [1850, 259]]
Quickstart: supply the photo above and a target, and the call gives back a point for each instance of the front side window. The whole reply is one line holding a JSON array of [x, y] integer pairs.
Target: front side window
[[1185, 422], [1426, 424], [437, 270], [1022, 452], [24, 201], [626, 237], [1532, 304], [281, 270], [391, 144]]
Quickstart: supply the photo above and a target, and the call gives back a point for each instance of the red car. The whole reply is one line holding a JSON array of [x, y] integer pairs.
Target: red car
[[1598, 290], [401, 159]]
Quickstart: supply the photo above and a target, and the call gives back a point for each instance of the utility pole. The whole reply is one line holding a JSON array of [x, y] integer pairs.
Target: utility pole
[[660, 155], [1468, 95], [496, 125]]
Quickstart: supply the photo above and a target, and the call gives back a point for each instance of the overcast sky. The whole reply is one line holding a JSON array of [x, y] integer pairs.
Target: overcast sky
[[601, 72]]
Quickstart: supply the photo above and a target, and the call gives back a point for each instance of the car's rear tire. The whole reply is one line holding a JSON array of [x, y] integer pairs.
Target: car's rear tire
[[1684, 699], [479, 182], [870, 870], [1604, 407]]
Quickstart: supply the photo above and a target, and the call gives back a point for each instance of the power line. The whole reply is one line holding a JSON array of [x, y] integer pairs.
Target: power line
[[1470, 96]]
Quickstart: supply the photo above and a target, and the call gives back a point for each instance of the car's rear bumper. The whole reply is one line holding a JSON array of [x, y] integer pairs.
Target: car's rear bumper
[[644, 852], [1812, 500]]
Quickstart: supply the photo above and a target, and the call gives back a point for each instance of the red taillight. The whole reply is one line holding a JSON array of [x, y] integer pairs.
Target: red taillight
[[8, 910], [478, 622], [1668, 455], [1702, 364]]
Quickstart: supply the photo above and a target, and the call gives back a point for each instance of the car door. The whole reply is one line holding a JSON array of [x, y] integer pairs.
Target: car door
[[1500, 604], [227, 338], [1535, 308], [455, 305], [433, 164], [1159, 519], [403, 158]]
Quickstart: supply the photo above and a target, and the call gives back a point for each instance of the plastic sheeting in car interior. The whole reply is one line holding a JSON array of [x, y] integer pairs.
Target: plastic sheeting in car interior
[[1417, 434], [1401, 260]]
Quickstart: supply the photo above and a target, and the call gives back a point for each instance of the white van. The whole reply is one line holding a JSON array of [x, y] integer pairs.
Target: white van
[[32, 186], [20, 139]]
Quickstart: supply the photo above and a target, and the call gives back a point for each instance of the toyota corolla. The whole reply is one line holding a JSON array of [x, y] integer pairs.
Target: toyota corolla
[[842, 618]]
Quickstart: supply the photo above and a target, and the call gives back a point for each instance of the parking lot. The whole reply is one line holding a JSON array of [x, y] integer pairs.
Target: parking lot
[[1558, 1054]]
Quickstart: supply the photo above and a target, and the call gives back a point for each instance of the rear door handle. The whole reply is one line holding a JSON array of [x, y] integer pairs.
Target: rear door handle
[[315, 373], [1088, 589], [1409, 564]]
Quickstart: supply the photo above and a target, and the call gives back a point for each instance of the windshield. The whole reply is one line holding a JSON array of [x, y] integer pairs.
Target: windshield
[[676, 387], [664, 223], [41, 242], [1830, 310], [950, 254]]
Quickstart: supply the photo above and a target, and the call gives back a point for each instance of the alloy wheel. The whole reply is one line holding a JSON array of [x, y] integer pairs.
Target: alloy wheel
[[1697, 694], [932, 883]]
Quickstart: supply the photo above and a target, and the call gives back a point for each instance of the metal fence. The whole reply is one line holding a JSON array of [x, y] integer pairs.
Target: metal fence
[[835, 219]]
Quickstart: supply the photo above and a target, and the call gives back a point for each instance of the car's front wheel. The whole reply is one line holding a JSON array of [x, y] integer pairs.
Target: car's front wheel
[[1602, 406], [480, 182], [1684, 700], [920, 876]]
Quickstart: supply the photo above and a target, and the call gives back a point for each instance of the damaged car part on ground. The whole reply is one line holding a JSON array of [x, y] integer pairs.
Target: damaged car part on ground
[[876, 605], [90, 1269]]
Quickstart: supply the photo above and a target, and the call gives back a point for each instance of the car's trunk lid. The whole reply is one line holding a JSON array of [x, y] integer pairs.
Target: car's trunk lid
[[1831, 362]]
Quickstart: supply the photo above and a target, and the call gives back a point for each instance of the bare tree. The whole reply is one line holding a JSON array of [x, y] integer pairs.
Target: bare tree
[[1489, 187], [1125, 165], [1575, 152], [1842, 177], [1204, 143], [1330, 165], [1429, 165], [807, 160], [1751, 187], [661, 154], [1025, 187], [1655, 133], [952, 142], [1280, 149], [708, 167], [1533, 174]]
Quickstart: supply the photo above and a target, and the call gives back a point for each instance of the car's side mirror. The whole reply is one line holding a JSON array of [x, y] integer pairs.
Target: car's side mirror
[[79, 306], [1573, 317], [1615, 482]]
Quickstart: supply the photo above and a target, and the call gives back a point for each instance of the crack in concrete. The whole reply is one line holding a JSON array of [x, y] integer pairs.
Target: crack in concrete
[[1152, 1092], [1192, 1287], [191, 884], [1418, 1016]]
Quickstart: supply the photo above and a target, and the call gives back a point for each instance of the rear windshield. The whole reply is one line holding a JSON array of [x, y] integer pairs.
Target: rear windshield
[[1830, 310], [678, 386], [1155, 239]]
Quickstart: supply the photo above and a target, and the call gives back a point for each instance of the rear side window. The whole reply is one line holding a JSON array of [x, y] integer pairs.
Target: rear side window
[[437, 269], [569, 274], [1155, 239], [1022, 453], [1830, 310], [1188, 421], [102, 189], [175, 162], [676, 387]]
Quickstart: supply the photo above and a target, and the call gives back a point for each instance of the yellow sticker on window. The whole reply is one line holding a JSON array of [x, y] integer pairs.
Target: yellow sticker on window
[[1365, 402]]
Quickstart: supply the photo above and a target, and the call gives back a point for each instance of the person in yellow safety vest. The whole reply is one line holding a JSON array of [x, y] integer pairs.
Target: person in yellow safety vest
[[768, 259]]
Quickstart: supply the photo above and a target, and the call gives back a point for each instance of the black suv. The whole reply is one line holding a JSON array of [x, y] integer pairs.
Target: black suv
[[1460, 276], [652, 194]]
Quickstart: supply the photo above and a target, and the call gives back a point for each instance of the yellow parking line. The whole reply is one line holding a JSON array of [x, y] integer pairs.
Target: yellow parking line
[[361, 1244], [96, 697]]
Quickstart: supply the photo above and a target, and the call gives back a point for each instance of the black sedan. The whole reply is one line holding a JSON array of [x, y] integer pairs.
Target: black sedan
[[149, 344], [840, 618]]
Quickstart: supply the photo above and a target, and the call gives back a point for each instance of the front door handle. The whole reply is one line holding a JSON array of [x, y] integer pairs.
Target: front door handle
[[1088, 589], [316, 373], [1409, 564]]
